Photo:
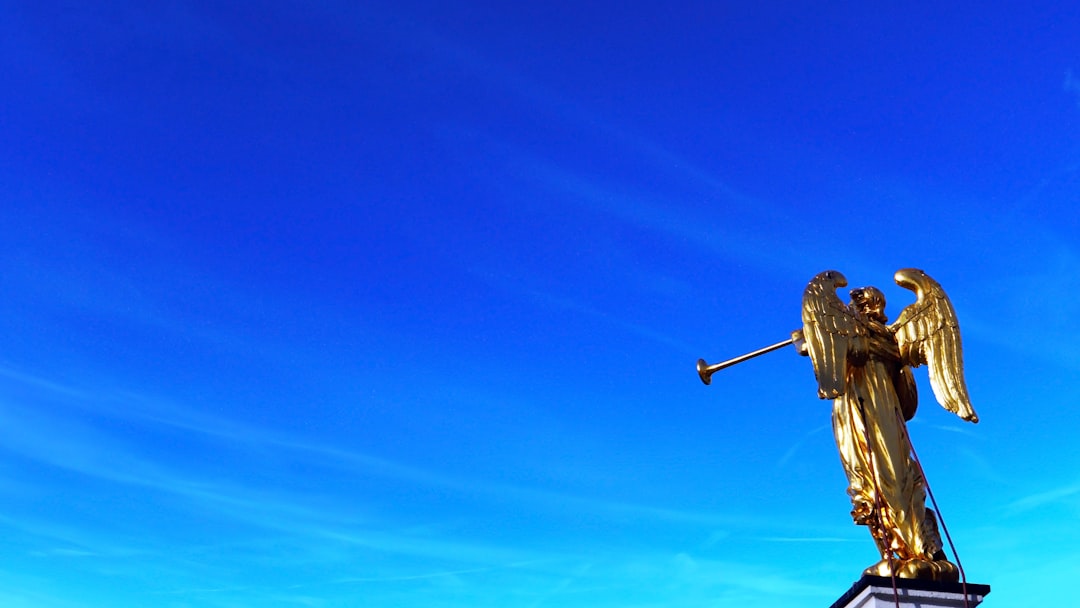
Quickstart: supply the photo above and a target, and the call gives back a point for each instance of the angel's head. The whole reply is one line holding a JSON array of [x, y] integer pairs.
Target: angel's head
[[870, 302]]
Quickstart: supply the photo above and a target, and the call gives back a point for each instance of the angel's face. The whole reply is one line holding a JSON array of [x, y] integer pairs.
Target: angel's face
[[870, 302]]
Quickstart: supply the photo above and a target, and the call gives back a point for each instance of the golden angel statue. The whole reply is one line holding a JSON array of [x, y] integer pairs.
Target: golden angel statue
[[863, 364]]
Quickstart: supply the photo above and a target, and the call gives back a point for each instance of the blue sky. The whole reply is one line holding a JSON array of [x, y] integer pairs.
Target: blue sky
[[398, 304]]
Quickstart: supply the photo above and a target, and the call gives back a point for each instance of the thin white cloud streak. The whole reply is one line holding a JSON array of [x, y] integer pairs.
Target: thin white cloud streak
[[979, 465], [124, 468], [959, 430], [1065, 495], [809, 539], [19, 597], [1018, 309], [790, 453], [731, 234], [561, 585], [577, 306], [770, 581], [77, 540], [428, 575]]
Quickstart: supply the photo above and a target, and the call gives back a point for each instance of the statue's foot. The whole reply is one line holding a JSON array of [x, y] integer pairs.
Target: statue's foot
[[931, 570], [882, 568]]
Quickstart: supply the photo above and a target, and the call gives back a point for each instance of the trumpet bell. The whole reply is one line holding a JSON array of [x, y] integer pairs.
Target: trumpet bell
[[704, 371]]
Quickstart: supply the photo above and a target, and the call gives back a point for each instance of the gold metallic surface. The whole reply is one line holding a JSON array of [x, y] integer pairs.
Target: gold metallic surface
[[863, 364], [706, 371]]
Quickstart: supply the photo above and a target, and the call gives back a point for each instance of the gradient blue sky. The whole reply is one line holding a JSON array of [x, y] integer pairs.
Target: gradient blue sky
[[397, 304]]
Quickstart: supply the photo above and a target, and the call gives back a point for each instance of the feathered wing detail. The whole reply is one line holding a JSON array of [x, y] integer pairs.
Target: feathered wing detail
[[828, 327], [927, 332]]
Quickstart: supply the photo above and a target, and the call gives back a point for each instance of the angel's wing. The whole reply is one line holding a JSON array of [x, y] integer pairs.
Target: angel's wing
[[927, 332], [828, 328]]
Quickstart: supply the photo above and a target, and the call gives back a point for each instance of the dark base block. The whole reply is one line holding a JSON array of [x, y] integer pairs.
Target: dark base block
[[877, 592]]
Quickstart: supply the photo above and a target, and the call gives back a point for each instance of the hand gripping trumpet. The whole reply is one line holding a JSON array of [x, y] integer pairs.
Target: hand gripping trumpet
[[706, 371]]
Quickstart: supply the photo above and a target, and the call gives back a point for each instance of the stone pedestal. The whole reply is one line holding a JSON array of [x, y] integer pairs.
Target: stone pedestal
[[877, 592]]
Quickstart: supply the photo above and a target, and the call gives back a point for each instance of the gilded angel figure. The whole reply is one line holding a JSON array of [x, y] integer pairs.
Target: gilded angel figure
[[863, 364]]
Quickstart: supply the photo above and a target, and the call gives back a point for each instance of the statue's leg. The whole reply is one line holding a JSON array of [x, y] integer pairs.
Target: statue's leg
[[897, 481], [939, 568], [931, 536], [849, 431]]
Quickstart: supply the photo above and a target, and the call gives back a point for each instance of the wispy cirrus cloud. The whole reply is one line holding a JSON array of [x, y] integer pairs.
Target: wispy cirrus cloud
[[1068, 494]]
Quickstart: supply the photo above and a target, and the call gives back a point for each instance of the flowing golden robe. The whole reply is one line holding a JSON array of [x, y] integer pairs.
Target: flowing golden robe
[[885, 483]]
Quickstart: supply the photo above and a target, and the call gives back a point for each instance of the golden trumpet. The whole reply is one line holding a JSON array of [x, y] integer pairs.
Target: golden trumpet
[[706, 371]]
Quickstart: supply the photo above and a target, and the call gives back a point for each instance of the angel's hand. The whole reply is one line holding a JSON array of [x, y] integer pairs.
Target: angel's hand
[[799, 342]]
